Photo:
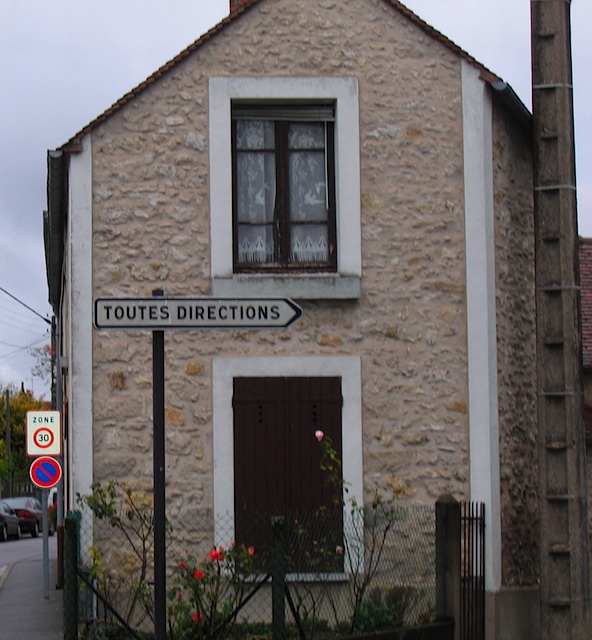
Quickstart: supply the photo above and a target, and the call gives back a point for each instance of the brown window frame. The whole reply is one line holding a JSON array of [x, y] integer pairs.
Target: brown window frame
[[283, 116]]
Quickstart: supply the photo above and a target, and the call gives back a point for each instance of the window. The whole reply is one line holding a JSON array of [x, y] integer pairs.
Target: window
[[265, 413], [283, 187]]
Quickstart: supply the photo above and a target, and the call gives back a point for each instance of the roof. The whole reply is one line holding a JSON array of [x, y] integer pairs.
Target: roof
[[586, 299], [73, 145]]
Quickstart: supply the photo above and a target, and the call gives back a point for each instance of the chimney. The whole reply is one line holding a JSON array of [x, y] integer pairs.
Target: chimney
[[235, 5]]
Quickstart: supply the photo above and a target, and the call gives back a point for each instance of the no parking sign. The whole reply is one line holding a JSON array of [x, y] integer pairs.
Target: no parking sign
[[45, 472]]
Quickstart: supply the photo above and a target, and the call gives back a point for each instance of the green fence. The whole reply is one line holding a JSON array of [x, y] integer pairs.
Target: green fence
[[341, 574]]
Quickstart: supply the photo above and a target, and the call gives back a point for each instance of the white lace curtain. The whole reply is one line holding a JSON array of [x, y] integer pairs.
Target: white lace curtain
[[257, 190]]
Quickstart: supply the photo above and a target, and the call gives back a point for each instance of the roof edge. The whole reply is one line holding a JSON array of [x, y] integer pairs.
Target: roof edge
[[513, 103], [74, 144], [485, 73]]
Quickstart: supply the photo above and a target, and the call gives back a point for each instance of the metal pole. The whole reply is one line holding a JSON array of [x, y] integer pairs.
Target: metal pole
[[45, 526], [8, 443], [70, 579], [448, 561], [59, 393], [159, 482], [278, 578]]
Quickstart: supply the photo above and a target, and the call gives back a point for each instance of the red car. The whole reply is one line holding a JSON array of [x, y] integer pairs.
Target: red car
[[30, 514]]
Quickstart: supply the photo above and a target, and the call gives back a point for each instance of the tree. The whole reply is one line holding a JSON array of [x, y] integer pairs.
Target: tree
[[20, 402], [44, 361], [44, 367]]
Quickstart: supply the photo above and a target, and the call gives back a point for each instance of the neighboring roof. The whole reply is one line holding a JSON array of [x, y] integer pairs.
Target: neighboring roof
[[73, 145], [586, 299]]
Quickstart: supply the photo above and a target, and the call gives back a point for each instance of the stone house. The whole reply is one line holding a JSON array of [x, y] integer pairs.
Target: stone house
[[351, 158]]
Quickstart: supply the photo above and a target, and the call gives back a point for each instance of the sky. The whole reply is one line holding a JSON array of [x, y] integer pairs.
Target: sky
[[63, 62]]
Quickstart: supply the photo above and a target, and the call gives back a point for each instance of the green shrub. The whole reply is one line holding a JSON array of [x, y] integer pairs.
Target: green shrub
[[384, 609]]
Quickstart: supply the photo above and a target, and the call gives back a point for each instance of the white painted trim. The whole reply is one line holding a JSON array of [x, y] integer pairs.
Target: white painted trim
[[224, 370], [481, 313], [347, 148], [80, 320]]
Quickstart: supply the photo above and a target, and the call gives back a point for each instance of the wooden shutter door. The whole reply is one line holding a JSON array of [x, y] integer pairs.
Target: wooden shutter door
[[277, 460]]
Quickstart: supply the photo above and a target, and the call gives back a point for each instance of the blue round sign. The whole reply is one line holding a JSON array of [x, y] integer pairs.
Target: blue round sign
[[45, 472]]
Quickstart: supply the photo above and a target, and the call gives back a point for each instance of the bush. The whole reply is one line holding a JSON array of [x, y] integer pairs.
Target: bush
[[209, 593], [384, 609]]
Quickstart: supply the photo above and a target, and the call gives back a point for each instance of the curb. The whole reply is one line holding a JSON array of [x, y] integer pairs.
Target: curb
[[4, 571]]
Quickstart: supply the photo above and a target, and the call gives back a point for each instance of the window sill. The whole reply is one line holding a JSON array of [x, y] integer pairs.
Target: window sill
[[301, 287], [305, 577]]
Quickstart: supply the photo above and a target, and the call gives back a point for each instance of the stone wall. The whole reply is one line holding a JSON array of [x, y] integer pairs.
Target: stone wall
[[516, 331], [151, 230]]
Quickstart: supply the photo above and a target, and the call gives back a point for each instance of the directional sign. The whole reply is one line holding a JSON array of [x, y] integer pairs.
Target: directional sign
[[44, 433], [45, 472], [195, 313]]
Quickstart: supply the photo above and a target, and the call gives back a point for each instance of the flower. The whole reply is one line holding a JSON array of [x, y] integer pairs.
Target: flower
[[182, 566], [319, 435], [199, 574], [196, 616], [217, 554], [251, 551]]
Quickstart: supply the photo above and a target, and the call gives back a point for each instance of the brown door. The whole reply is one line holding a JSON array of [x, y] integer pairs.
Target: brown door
[[277, 460]]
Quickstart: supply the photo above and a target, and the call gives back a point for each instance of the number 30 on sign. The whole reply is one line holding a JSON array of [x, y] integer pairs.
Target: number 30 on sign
[[44, 433]]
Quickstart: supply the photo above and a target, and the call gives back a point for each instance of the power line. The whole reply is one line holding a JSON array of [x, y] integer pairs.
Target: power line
[[26, 306], [18, 320], [21, 348]]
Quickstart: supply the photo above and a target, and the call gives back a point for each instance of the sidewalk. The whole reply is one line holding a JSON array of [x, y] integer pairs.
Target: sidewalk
[[24, 611]]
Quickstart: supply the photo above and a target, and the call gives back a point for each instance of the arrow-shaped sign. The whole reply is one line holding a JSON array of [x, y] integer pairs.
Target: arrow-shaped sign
[[195, 313]]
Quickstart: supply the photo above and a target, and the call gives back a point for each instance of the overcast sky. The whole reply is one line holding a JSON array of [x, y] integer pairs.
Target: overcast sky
[[63, 62]]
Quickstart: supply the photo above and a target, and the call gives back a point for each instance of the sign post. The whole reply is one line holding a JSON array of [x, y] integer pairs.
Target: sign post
[[158, 413], [45, 472], [157, 314], [44, 439]]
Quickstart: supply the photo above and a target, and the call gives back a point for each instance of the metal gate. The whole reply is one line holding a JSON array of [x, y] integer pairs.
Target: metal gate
[[472, 597]]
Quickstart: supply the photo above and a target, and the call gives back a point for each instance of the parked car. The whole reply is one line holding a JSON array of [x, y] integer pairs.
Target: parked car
[[10, 526], [30, 514]]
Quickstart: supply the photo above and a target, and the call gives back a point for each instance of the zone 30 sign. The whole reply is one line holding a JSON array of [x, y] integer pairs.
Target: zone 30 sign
[[44, 433]]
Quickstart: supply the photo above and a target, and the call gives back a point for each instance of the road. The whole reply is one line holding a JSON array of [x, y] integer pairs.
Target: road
[[26, 548]]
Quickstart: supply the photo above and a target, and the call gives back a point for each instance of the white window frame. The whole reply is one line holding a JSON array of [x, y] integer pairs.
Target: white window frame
[[344, 284], [224, 370]]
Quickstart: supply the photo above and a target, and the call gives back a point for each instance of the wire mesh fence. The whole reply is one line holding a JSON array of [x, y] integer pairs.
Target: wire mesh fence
[[343, 571]]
